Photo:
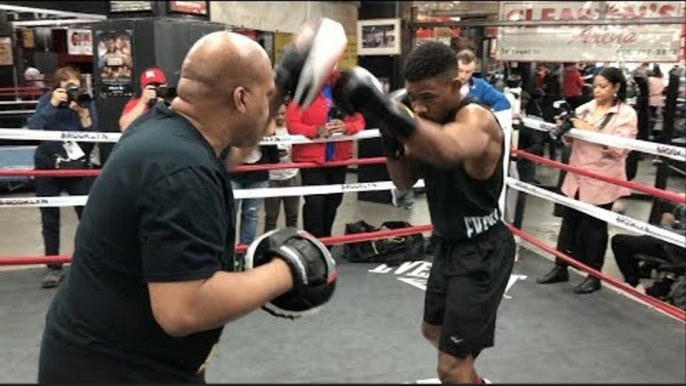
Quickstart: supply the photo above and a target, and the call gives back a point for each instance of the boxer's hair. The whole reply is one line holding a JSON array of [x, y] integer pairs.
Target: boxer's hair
[[615, 76], [429, 60]]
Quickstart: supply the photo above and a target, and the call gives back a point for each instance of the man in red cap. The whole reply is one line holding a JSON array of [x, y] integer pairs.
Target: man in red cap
[[151, 78]]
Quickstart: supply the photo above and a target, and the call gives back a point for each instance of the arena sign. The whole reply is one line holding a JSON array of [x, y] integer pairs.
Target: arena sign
[[594, 43]]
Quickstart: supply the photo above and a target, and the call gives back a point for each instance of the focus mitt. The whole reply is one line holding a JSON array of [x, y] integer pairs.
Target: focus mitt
[[312, 266]]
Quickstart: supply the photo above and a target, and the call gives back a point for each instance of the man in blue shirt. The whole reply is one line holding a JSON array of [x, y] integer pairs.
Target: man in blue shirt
[[58, 112]]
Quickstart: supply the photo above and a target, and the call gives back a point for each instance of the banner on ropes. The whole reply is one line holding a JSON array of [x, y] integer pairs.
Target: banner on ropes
[[659, 149], [608, 216], [593, 43]]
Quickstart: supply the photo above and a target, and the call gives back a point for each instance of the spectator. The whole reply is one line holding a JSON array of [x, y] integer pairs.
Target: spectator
[[322, 119], [32, 76], [250, 207], [150, 80], [476, 87], [583, 236], [573, 84], [282, 178], [656, 86], [58, 112], [627, 247]]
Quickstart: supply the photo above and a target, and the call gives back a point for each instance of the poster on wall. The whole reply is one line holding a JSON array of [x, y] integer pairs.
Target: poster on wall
[[79, 42], [378, 37], [114, 62], [189, 7], [130, 6], [28, 38], [592, 43], [6, 58]]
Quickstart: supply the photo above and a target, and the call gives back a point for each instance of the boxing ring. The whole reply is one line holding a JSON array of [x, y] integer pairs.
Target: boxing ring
[[369, 331]]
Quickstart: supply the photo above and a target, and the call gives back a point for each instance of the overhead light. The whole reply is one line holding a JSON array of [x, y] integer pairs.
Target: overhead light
[[6, 7], [38, 23]]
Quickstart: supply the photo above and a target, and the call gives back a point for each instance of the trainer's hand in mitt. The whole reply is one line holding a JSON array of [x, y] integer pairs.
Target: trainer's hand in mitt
[[312, 266]]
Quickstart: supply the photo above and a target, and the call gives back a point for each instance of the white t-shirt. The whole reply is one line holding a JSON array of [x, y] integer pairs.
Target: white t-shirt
[[283, 174]]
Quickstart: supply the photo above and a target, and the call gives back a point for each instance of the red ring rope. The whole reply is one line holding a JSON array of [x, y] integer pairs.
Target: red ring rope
[[241, 168], [667, 195], [344, 239]]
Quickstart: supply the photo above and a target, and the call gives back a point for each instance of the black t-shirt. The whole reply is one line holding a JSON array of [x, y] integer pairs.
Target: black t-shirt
[[160, 211], [462, 207]]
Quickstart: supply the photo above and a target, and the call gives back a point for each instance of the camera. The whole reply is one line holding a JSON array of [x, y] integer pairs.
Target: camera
[[165, 92], [565, 113], [76, 94]]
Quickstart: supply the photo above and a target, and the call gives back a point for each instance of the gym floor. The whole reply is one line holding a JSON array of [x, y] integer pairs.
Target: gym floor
[[369, 332]]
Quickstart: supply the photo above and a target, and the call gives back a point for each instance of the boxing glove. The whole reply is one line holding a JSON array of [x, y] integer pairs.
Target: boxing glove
[[312, 266], [357, 90], [309, 60], [392, 146]]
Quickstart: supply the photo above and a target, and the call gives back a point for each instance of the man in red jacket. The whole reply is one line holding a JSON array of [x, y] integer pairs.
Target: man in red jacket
[[322, 120]]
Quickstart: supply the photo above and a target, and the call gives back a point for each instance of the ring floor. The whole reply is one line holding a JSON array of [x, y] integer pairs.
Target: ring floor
[[369, 333]]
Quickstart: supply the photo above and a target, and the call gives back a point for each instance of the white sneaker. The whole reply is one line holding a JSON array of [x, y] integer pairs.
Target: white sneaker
[[486, 381], [640, 288]]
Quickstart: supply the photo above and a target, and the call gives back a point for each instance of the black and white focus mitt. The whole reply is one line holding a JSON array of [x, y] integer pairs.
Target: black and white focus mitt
[[312, 266]]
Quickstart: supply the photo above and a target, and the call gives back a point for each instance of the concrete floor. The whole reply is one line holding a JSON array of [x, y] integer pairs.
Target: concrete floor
[[552, 335]]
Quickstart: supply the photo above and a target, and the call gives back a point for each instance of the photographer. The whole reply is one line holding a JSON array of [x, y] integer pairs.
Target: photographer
[[582, 236], [66, 108], [153, 83]]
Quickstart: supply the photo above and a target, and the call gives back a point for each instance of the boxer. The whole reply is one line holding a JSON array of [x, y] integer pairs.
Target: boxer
[[458, 148], [152, 281]]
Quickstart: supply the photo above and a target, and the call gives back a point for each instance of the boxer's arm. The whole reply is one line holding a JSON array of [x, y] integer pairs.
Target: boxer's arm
[[404, 171], [187, 307]]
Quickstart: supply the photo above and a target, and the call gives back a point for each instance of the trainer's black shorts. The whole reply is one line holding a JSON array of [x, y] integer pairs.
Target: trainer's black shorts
[[466, 284]]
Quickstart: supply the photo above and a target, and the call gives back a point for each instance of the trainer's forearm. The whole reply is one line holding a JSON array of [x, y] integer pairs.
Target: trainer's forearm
[[227, 296]]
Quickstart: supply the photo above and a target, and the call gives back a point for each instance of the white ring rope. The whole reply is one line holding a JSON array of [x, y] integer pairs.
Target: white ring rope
[[605, 215], [674, 152], [669, 151]]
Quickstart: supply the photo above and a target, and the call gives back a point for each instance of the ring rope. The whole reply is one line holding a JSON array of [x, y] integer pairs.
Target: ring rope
[[659, 149], [664, 150], [608, 216], [661, 193], [377, 235]]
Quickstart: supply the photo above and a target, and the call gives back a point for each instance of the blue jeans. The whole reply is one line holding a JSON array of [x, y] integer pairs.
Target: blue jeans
[[249, 209]]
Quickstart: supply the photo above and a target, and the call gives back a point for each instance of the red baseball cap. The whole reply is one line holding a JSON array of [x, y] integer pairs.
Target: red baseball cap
[[152, 75]]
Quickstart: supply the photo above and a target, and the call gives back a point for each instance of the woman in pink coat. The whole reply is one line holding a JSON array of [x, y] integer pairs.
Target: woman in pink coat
[[582, 236]]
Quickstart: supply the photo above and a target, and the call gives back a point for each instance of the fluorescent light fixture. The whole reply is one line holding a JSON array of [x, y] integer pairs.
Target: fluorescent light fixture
[[56, 22], [18, 8]]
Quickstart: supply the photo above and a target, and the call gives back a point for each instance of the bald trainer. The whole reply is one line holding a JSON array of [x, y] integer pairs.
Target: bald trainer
[[151, 284]]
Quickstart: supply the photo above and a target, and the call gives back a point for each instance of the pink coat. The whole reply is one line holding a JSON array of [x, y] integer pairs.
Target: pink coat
[[601, 159]]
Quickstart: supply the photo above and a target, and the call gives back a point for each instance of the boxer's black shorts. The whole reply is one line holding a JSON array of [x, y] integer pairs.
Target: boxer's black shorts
[[466, 284]]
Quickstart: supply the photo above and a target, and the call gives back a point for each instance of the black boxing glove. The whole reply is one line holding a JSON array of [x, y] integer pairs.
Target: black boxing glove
[[392, 146], [312, 266], [357, 90]]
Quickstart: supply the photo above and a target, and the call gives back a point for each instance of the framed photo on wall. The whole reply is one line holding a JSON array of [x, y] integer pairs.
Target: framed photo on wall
[[378, 37]]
